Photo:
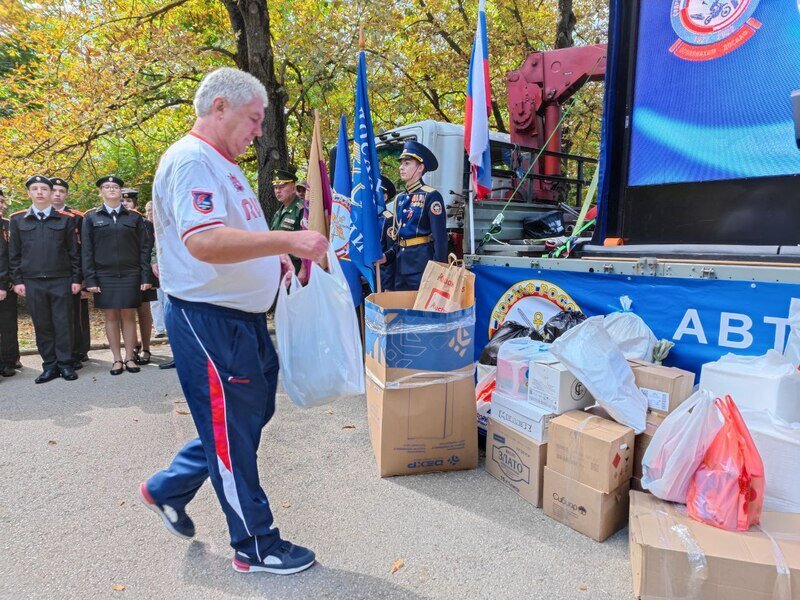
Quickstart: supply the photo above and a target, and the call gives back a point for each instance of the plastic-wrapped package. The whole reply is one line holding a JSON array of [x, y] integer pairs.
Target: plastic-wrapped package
[[727, 490], [679, 446], [320, 352], [792, 350], [509, 330], [513, 365], [630, 332], [595, 360], [560, 323]]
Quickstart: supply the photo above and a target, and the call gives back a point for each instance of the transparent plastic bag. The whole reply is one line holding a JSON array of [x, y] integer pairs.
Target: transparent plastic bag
[[595, 360], [679, 446], [630, 332], [319, 342], [727, 490]]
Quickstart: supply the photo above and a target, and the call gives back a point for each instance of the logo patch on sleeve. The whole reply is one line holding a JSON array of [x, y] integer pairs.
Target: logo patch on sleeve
[[203, 202], [436, 208]]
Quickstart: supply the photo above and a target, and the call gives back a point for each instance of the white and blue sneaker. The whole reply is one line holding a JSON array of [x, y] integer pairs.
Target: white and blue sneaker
[[177, 522], [286, 560]]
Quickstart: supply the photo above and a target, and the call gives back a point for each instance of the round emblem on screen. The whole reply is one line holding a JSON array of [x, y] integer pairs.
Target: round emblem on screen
[[532, 301], [703, 22]]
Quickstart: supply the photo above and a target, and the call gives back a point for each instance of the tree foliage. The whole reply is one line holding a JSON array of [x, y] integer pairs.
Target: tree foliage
[[91, 87]]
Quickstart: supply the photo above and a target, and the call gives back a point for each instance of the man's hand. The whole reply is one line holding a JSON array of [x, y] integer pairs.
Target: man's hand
[[85, 295], [20, 289], [3, 294], [309, 244], [94, 290], [145, 286], [156, 271], [76, 288]]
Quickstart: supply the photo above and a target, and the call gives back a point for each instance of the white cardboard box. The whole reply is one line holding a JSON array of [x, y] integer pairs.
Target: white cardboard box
[[552, 387], [522, 416]]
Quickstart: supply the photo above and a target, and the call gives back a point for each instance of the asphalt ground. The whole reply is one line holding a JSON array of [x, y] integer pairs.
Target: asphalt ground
[[72, 455]]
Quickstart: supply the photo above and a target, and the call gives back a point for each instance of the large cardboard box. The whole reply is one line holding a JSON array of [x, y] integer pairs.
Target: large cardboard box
[[516, 460], [423, 429], [673, 556], [402, 345], [640, 446], [664, 387], [591, 450], [527, 418], [592, 513], [554, 388]]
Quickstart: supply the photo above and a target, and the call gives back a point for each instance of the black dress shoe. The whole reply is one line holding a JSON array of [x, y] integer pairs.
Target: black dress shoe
[[77, 365], [18, 365], [48, 375], [68, 373], [131, 369], [167, 365], [83, 357], [7, 371]]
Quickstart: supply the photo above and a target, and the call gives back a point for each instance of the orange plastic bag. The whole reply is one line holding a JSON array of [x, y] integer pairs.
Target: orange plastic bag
[[727, 490]]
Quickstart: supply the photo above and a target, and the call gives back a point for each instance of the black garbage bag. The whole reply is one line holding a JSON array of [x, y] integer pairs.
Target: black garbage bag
[[509, 330], [560, 323], [548, 225]]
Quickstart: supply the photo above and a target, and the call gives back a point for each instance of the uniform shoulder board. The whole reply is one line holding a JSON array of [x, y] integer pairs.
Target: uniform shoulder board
[[66, 213], [19, 212], [133, 210], [427, 188], [91, 210], [77, 212]]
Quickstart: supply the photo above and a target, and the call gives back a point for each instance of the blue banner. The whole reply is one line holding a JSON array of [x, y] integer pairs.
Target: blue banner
[[704, 318]]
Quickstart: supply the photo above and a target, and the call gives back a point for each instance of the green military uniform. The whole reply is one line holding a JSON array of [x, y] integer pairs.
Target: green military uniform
[[288, 218]]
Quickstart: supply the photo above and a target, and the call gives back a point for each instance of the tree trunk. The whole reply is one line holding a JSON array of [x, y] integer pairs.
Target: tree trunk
[[566, 24], [250, 24]]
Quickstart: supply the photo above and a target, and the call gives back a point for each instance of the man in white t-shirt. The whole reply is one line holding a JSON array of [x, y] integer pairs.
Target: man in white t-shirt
[[220, 266]]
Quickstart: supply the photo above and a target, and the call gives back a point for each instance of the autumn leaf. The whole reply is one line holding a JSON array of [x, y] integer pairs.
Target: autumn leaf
[[52, 442], [348, 426], [397, 565], [582, 588], [179, 401], [118, 587], [329, 411], [180, 411], [286, 504]]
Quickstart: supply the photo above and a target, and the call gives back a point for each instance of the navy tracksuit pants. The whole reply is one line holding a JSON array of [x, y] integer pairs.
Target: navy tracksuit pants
[[228, 369]]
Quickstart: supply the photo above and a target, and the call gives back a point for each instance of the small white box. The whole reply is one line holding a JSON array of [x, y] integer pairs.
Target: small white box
[[553, 388], [529, 419]]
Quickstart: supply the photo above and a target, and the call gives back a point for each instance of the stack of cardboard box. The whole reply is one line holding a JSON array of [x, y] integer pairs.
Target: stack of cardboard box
[[588, 472], [420, 386], [516, 440]]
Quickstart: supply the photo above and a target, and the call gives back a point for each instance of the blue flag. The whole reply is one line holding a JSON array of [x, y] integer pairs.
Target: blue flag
[[366, 194], [341, 224]]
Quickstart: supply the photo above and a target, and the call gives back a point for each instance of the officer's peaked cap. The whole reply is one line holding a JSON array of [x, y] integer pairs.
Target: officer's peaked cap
[[417, 151]]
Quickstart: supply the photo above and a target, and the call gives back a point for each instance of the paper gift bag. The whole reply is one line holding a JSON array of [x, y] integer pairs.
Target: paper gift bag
[[445, 287]]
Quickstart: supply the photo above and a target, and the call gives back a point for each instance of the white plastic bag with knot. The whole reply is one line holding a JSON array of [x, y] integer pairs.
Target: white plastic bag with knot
[[319, 342], [595, 360], [630, 332], [679, 446]]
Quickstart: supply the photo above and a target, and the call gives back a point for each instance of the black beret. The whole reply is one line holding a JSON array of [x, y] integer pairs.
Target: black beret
[[38, 179], [110, 179], [59, 181], [388, 187]]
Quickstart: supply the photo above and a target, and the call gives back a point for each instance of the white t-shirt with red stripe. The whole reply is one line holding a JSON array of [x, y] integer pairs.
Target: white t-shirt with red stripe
[[197, 188]]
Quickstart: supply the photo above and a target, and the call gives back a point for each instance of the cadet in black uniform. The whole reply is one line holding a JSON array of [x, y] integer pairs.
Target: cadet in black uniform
[[9, 343], [46, 269], [130, 200], [81, 331], [116, 260], [420, 222], [386, 222]]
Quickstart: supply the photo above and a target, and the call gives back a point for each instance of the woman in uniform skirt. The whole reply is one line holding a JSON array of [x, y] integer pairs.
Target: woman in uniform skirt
[[116, 265], [130, 200]]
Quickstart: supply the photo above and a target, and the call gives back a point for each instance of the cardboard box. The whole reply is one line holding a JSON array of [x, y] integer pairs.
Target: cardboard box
[[522, 416], [516, 460], [423, 429], [554, 388], [665, 547], [591, 450], [592, 513], [402, 345], [640, 446], [664, 387]]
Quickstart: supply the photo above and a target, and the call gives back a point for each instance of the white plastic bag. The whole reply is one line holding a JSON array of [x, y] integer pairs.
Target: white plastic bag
[[679, 446], [792, 350], [595, 360], [630, 332], [319, 343]]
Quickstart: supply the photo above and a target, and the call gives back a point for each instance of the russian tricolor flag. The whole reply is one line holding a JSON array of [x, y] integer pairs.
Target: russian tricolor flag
[[479, 106]]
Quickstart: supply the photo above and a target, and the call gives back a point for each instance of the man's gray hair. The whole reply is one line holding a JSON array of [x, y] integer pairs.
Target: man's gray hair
[[235, 86]]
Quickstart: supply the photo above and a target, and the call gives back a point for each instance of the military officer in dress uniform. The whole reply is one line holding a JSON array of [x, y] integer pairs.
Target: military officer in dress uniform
[[81, 334], [386, 221], [290, 215], [420, 223], [9, 343], [46, 270]]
